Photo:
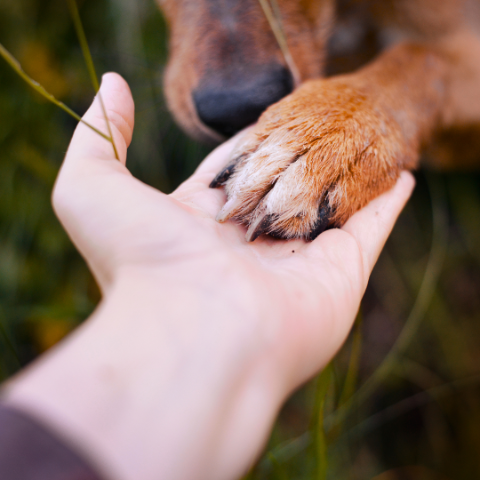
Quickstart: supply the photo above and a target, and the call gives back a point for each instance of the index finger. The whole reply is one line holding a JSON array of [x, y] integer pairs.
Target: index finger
[[196, 191], [369, 229]]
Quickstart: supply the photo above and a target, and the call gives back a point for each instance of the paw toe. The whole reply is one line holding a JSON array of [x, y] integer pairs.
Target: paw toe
[[323, 222], [262, 224], [223, 175]]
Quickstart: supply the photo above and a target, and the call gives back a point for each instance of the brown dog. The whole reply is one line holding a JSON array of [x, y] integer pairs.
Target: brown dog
[[324, 151]]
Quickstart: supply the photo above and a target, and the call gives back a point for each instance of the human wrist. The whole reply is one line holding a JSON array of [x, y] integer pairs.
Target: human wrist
[[143, 358]]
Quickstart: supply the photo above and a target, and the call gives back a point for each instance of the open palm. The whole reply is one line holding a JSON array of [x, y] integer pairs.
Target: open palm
[[299, 299]]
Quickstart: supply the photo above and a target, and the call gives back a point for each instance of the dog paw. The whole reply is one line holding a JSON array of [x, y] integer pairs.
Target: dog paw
[[314, 159]]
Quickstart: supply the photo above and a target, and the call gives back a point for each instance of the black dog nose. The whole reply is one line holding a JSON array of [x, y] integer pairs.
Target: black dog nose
[[232, 105]]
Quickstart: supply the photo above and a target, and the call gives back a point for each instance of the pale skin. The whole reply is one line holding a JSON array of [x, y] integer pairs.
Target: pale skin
[[200, 336]]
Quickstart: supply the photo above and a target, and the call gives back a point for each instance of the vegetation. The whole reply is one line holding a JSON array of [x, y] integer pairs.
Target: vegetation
[[404, 391]]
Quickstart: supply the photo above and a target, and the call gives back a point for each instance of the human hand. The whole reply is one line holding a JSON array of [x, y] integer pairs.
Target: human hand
[[310, 291], [246, 322]]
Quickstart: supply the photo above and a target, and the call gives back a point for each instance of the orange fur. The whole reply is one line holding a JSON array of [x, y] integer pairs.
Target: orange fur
[[327, 149]]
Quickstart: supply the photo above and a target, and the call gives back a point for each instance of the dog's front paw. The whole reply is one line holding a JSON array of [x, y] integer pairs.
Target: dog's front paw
[[313, 160]]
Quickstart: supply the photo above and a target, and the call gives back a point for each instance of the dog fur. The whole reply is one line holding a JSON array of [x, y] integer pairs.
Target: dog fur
[[325, 150]]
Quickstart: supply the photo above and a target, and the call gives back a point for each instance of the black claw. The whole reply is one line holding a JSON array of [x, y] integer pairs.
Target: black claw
[[223, 175], [323, 221], [262, 227]]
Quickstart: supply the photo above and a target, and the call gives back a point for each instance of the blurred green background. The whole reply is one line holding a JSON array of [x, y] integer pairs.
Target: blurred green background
[[419, 419]]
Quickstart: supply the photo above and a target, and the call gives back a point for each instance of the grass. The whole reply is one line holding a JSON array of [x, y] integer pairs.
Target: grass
[[91, 67], [8, 57], [274, 17], [418, 334]]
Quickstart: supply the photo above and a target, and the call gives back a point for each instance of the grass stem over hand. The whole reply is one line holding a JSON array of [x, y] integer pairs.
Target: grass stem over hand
[[90, 66], [13, 62]]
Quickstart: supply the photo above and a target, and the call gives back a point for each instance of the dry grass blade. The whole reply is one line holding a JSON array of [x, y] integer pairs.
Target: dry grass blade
[[272, 12], [13, 62], [90, 66]]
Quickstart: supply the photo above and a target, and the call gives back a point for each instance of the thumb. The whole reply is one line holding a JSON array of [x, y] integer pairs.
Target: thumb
[[90, 156], [119, 108], [90, 194]]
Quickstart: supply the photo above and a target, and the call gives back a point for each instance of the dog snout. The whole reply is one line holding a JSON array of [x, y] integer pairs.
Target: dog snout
[[228, 106]]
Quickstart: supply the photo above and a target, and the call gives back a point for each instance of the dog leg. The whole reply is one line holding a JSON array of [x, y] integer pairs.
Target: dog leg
[[326, 150]]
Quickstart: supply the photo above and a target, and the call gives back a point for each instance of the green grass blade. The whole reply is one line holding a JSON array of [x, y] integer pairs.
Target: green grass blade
[[290, 448], [14, 63], [354, 362], [408, 404], [319, 436], [77, 22], [280, 471]]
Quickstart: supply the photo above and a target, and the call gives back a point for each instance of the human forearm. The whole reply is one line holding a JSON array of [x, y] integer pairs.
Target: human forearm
[[140, 386]]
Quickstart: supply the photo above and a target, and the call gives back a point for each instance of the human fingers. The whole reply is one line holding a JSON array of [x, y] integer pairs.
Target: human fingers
[[84, 180], [90, 156], [118, 103], [372, 225], [195, 190], [95, 196], [219, 157], [369, 229], [341, 261]]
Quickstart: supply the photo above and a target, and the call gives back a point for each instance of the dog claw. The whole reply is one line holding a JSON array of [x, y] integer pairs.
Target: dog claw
[[322, 223], [224, 174], [259, 226], [228, 210]]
